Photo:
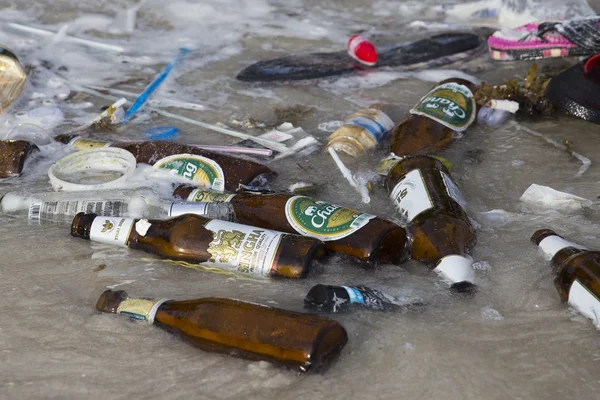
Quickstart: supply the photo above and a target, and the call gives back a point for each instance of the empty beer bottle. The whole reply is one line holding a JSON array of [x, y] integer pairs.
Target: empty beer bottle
[[447, 108], [577, 272], [216, 243], [216, 171], [296, 340], [423, 191], [61, 207], [343, 298], [13, 154], [360, 132], [364, 236]]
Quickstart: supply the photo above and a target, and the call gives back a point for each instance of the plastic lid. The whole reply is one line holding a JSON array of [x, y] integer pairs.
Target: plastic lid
[[94, 169]]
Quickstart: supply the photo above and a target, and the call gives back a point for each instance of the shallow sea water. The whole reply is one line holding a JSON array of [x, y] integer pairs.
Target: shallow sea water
[[514, 339]]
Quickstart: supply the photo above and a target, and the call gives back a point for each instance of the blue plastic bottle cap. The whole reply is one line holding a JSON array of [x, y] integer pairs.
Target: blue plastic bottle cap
[[162, 132]]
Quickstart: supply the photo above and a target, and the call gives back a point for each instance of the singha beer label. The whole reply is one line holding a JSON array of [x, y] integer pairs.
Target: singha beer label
[[243, 248], [111, 230], [410, 195], [451, 104], [203, 196], [202, 171], [321, 220]]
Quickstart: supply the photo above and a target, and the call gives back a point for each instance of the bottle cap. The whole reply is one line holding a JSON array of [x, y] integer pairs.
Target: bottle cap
[[94, 169]]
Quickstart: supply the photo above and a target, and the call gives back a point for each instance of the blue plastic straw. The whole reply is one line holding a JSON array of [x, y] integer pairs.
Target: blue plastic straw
[[141, 99]]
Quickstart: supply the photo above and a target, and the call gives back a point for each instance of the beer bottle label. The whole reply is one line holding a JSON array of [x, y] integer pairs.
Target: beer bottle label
[[584, 301], [48, 212], [80, 143], [111, 230], [453, 190], [410, 195], [376, 128], [141, 309], [451, 104], [204, 196], [243, 248], [321, 220], [355, 295], [185, 207], [202, 171]]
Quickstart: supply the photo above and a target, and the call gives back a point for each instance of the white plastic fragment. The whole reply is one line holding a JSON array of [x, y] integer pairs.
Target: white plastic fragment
[[43, 32], [364, 191], [544, 196]]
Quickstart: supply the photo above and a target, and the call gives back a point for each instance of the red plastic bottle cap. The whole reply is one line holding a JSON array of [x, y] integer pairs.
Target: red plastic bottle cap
[[362, 50], [591, 64]]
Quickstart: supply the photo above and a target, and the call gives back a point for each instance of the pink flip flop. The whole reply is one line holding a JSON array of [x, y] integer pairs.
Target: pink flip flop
[[575, 37]]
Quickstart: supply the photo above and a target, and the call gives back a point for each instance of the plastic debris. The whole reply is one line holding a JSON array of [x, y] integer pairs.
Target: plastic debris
[[546, 197], [362, 50], [361, 187], [165, 132], [141, 99]]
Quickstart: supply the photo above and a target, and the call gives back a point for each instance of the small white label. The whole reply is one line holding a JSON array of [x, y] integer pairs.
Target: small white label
[[453, 190], [584, 301], [142, 226], [64, 211], [455, 268], [410, 195], [243, 248], [553, 244], [188, 207], [111, 230]]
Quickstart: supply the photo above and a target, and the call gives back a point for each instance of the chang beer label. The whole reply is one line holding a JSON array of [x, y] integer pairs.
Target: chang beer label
[[202, 171], [205, 196], [141, 309], [453, 190], [583, 300], [80, 143], [111, 230], [451, 104], [321, 220], [410, 195], [243, 248]]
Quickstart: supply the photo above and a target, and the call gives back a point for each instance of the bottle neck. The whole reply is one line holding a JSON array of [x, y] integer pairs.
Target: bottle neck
[[553, 244], [141, 309], [82, 225]]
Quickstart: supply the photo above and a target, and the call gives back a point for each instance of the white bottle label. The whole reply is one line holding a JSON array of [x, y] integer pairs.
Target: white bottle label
[[454, 268], [453, 190], [410, 195], [243, 248], [187, 207], [111, 230], [48, 212], [584, 301]]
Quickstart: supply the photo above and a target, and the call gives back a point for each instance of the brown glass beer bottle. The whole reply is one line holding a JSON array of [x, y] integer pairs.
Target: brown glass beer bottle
[[447, 108], [577, 272], [438, 227], [13, 154], [216, 243], [364, 236], [292, 339], [216, 171]]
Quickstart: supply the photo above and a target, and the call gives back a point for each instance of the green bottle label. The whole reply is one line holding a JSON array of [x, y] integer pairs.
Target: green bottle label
[[202, 171], [204, 196], [321, 220], [451, 104]]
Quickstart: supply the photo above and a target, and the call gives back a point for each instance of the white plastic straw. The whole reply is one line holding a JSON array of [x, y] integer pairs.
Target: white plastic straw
[[231, 149], [43, 32], [349, 177]]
